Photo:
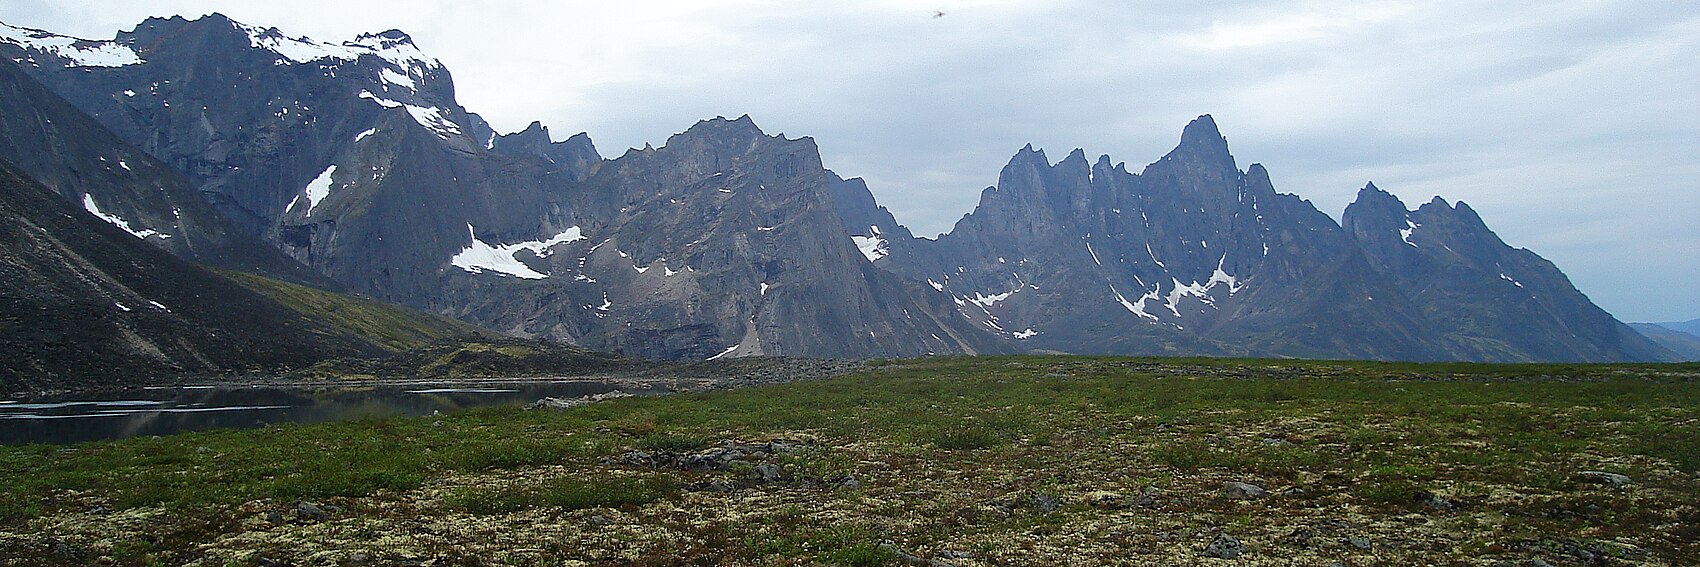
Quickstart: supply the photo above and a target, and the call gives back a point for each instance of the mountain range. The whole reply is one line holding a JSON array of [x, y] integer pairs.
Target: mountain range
[[350, 166]]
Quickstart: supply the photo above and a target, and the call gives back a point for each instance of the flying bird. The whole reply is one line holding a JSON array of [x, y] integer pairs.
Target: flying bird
[[937, 14]]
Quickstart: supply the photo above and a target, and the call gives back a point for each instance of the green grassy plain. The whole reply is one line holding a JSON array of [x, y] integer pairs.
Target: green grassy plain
[[965, 461]]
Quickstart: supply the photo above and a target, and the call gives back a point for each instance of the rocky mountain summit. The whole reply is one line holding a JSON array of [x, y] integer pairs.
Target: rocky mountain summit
[[355, 159], [1193, 255]]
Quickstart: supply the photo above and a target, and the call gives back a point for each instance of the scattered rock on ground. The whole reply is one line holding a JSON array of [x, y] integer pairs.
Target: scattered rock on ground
[[1107, 500], [1148, 498], [1244, 491], [567, 403], [766, 472], [1435, 501], [1602, 477], [1224, 547], [1046, 502], [308, 511], [1536, 562], [912, 559], [843, 480]]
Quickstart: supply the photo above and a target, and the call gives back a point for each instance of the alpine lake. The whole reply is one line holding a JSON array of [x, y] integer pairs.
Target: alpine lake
[[166, 410]]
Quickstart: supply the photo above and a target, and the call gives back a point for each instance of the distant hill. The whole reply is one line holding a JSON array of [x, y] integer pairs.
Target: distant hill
[[1685, 344], [1691, 327]]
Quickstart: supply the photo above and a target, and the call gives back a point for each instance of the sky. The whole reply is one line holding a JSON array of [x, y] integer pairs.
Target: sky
[[1571, 126]]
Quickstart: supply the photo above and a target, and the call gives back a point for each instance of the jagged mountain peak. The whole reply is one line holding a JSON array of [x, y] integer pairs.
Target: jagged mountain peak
[[721, 130], [1202, 150], [1203, 130], [534, 134], [1189, 256], [1028, 156], [386, 39], [1372, 196], [719, 143]]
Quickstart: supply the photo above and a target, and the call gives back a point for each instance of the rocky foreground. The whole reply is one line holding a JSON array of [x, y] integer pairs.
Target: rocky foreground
[[980, 461]]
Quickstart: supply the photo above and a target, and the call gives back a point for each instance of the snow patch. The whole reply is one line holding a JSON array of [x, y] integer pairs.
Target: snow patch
[[88, 204], [1405, 233], [1508, 278], [433, 119], [363, 135], [725, 352], [318, 189], [80, 52], [1200, 290], [295, 49], [398, 52], [936, 285], [392, 78], [873, 246], [990, 300], [1131, 308], [479, 257], [384, 102], [764, 287], [1027, 334]]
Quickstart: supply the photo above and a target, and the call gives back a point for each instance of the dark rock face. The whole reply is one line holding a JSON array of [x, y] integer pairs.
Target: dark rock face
[[84, 303], [1497, 302], [1194, 256], [249, 115], [54, 143], [724, 241], [1191, 256], [355, 159]]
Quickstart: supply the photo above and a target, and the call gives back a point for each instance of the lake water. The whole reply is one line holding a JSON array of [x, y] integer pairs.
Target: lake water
[[163, 411]]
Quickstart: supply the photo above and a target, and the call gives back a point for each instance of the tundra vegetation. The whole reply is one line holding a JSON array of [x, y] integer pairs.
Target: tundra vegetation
[[958, 461]]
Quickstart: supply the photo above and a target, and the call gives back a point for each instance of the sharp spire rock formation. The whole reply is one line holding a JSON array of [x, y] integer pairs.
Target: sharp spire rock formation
[[355, 160]]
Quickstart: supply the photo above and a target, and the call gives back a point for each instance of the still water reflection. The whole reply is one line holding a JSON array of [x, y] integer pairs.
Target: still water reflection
[[163, 411]]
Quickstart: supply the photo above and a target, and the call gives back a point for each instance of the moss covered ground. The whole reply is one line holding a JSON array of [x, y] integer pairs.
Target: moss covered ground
[[959, 461]]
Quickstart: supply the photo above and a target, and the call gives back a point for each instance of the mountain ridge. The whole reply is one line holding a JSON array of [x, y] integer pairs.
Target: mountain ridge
[[355, 159]]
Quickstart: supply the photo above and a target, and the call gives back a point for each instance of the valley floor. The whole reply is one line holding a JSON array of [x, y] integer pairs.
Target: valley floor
[[958, 461]]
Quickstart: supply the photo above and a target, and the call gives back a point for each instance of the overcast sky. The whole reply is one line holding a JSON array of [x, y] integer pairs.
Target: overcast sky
[[1572, 126]]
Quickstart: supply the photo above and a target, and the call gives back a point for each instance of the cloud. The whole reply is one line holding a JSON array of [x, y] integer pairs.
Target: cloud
[[1570, 124]]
